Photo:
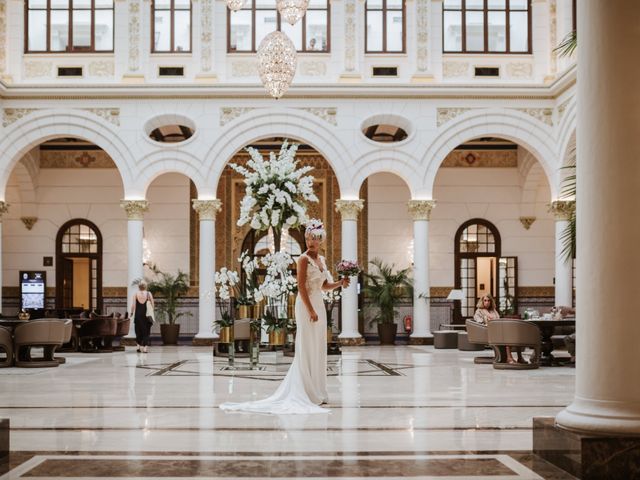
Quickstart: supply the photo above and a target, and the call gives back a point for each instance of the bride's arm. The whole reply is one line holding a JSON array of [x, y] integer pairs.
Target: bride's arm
[[303, 264], [329, 284]]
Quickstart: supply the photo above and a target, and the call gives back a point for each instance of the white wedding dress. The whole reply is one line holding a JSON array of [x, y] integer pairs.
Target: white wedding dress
[[305, 386]]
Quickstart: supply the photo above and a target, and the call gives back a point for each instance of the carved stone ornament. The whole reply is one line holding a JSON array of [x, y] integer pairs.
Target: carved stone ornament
[[109, 114], [446, 114], [205, 35], [134, 35], [135, 208], [312, 68], [421, 209], [29, 222], [3, 36], [520, 70], [545, 115], [4, 208], [207, 209], [455, 69], [227, 114], [527, 222], [244, 69], [562, 209], [349, 209], [101, 68], [350, 35], [422, 34], [326, 114], [10, 115], [35, 69], [553, 36], [563, 107]]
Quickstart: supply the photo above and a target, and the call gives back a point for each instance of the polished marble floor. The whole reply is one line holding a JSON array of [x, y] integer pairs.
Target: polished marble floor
[[396, 412]]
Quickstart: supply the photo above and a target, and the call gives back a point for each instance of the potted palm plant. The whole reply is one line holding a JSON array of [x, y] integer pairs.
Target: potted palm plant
[[384, 289], [169, 288]]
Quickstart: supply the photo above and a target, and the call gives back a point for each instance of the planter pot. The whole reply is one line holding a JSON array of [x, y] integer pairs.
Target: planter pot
[[387, 333], [277, 337], [291, 306], [226, 335], [329, 335], [246, 311], [170, 333]]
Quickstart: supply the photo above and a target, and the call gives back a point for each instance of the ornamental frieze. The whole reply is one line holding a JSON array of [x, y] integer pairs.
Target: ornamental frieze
[[11, 115], [446, 114]]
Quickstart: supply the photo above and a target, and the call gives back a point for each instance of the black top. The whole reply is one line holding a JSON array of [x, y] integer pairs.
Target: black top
[[141, 310]]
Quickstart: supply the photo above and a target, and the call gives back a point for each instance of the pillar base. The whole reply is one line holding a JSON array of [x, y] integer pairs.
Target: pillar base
[[203, 341], [4, 437], [352, 341], [421, 340], [586, 456]]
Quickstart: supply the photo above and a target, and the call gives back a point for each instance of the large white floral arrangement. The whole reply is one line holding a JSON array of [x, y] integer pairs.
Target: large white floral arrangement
[[278, 283], [277, 191]]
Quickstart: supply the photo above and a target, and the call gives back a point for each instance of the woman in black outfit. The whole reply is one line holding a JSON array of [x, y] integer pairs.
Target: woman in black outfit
[[139, 314]]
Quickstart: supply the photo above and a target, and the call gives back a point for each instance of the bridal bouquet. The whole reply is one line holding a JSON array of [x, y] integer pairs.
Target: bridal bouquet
[[277, 191], [348, 268]]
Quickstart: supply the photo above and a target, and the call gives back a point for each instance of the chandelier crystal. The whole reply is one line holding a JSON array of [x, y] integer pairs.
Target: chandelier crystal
[[235, 5], [292, 10], [277, 62]]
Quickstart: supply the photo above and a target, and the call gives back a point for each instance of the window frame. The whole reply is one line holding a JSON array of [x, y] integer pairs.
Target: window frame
[[384, 11], [70, 48], [171, 11], [485, 10], [303, 20]]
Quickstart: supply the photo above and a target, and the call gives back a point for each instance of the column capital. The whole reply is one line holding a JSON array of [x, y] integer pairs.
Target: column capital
[[207, 209], [4, 208], [135, 208], [349, 209], [421, 209], [562, 209]]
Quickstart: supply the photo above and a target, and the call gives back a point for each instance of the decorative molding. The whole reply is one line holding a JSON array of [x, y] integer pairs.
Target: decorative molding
[[350, 35], [205, 35], [455, 69], [421, 209], [29, 222], [101, 68], [134, 35], [227, 114], [4, 208], [563, 107], [562, 209], [422, 35], [207, 209], [10, 115], [553, 37], [244, 69], [326, 114], [109, 114], [527, 222], [3, 36], [481, 159], [545, 115], [349, 209], [33, 69], [135, 209], [352, 342], [536, 292], [75, 159], [312, 68], [446, 114], [520, 70]]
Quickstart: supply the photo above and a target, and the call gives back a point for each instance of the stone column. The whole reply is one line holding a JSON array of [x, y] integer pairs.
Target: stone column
[[349, 209], [420, 210], [135, 214], [4, 208], [207, 210], [562, 210], [607, 394]]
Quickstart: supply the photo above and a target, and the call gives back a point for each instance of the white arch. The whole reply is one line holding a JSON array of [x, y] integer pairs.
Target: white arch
[[567, 129], [532, 176], [40, 126], [509, 124], [397, 162], [169, 160], [289, 123]]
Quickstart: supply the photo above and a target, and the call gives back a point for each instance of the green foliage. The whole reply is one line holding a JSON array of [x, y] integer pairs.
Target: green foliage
[[384, 289], [568, 45], [225, 320], [168, 288], [273, 323], [568, 236]]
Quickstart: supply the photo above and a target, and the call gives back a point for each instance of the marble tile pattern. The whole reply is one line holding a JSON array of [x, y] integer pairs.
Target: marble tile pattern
[[396, 412]]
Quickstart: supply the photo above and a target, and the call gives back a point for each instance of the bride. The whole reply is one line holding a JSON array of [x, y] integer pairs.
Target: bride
[[305, 386]]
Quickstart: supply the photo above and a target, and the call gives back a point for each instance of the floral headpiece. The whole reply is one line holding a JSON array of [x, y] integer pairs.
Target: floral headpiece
[[315, 228]]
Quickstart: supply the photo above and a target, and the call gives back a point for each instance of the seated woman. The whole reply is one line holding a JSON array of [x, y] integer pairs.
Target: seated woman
[[486, 311]]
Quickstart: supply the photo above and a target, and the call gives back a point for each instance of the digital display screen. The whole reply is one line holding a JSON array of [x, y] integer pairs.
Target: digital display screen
[[32, 290]]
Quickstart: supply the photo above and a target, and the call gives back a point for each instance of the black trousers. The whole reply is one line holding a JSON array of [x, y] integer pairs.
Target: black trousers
[[143, 331]]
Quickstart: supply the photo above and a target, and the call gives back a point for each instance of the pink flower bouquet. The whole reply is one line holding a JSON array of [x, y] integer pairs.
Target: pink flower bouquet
[[348, 268]]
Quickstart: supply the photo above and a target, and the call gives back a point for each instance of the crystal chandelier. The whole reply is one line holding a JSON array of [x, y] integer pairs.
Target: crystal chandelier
[[235, 5], [277, 61], [292, 10]]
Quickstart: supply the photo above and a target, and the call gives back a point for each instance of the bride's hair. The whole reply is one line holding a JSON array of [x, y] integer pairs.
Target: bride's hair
[[315, 229]]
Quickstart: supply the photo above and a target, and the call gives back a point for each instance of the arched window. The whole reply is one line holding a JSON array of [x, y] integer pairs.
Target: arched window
[[486, 26], [248, 27], [69, 26], [79, 266], [171, 26], [385, 24]]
